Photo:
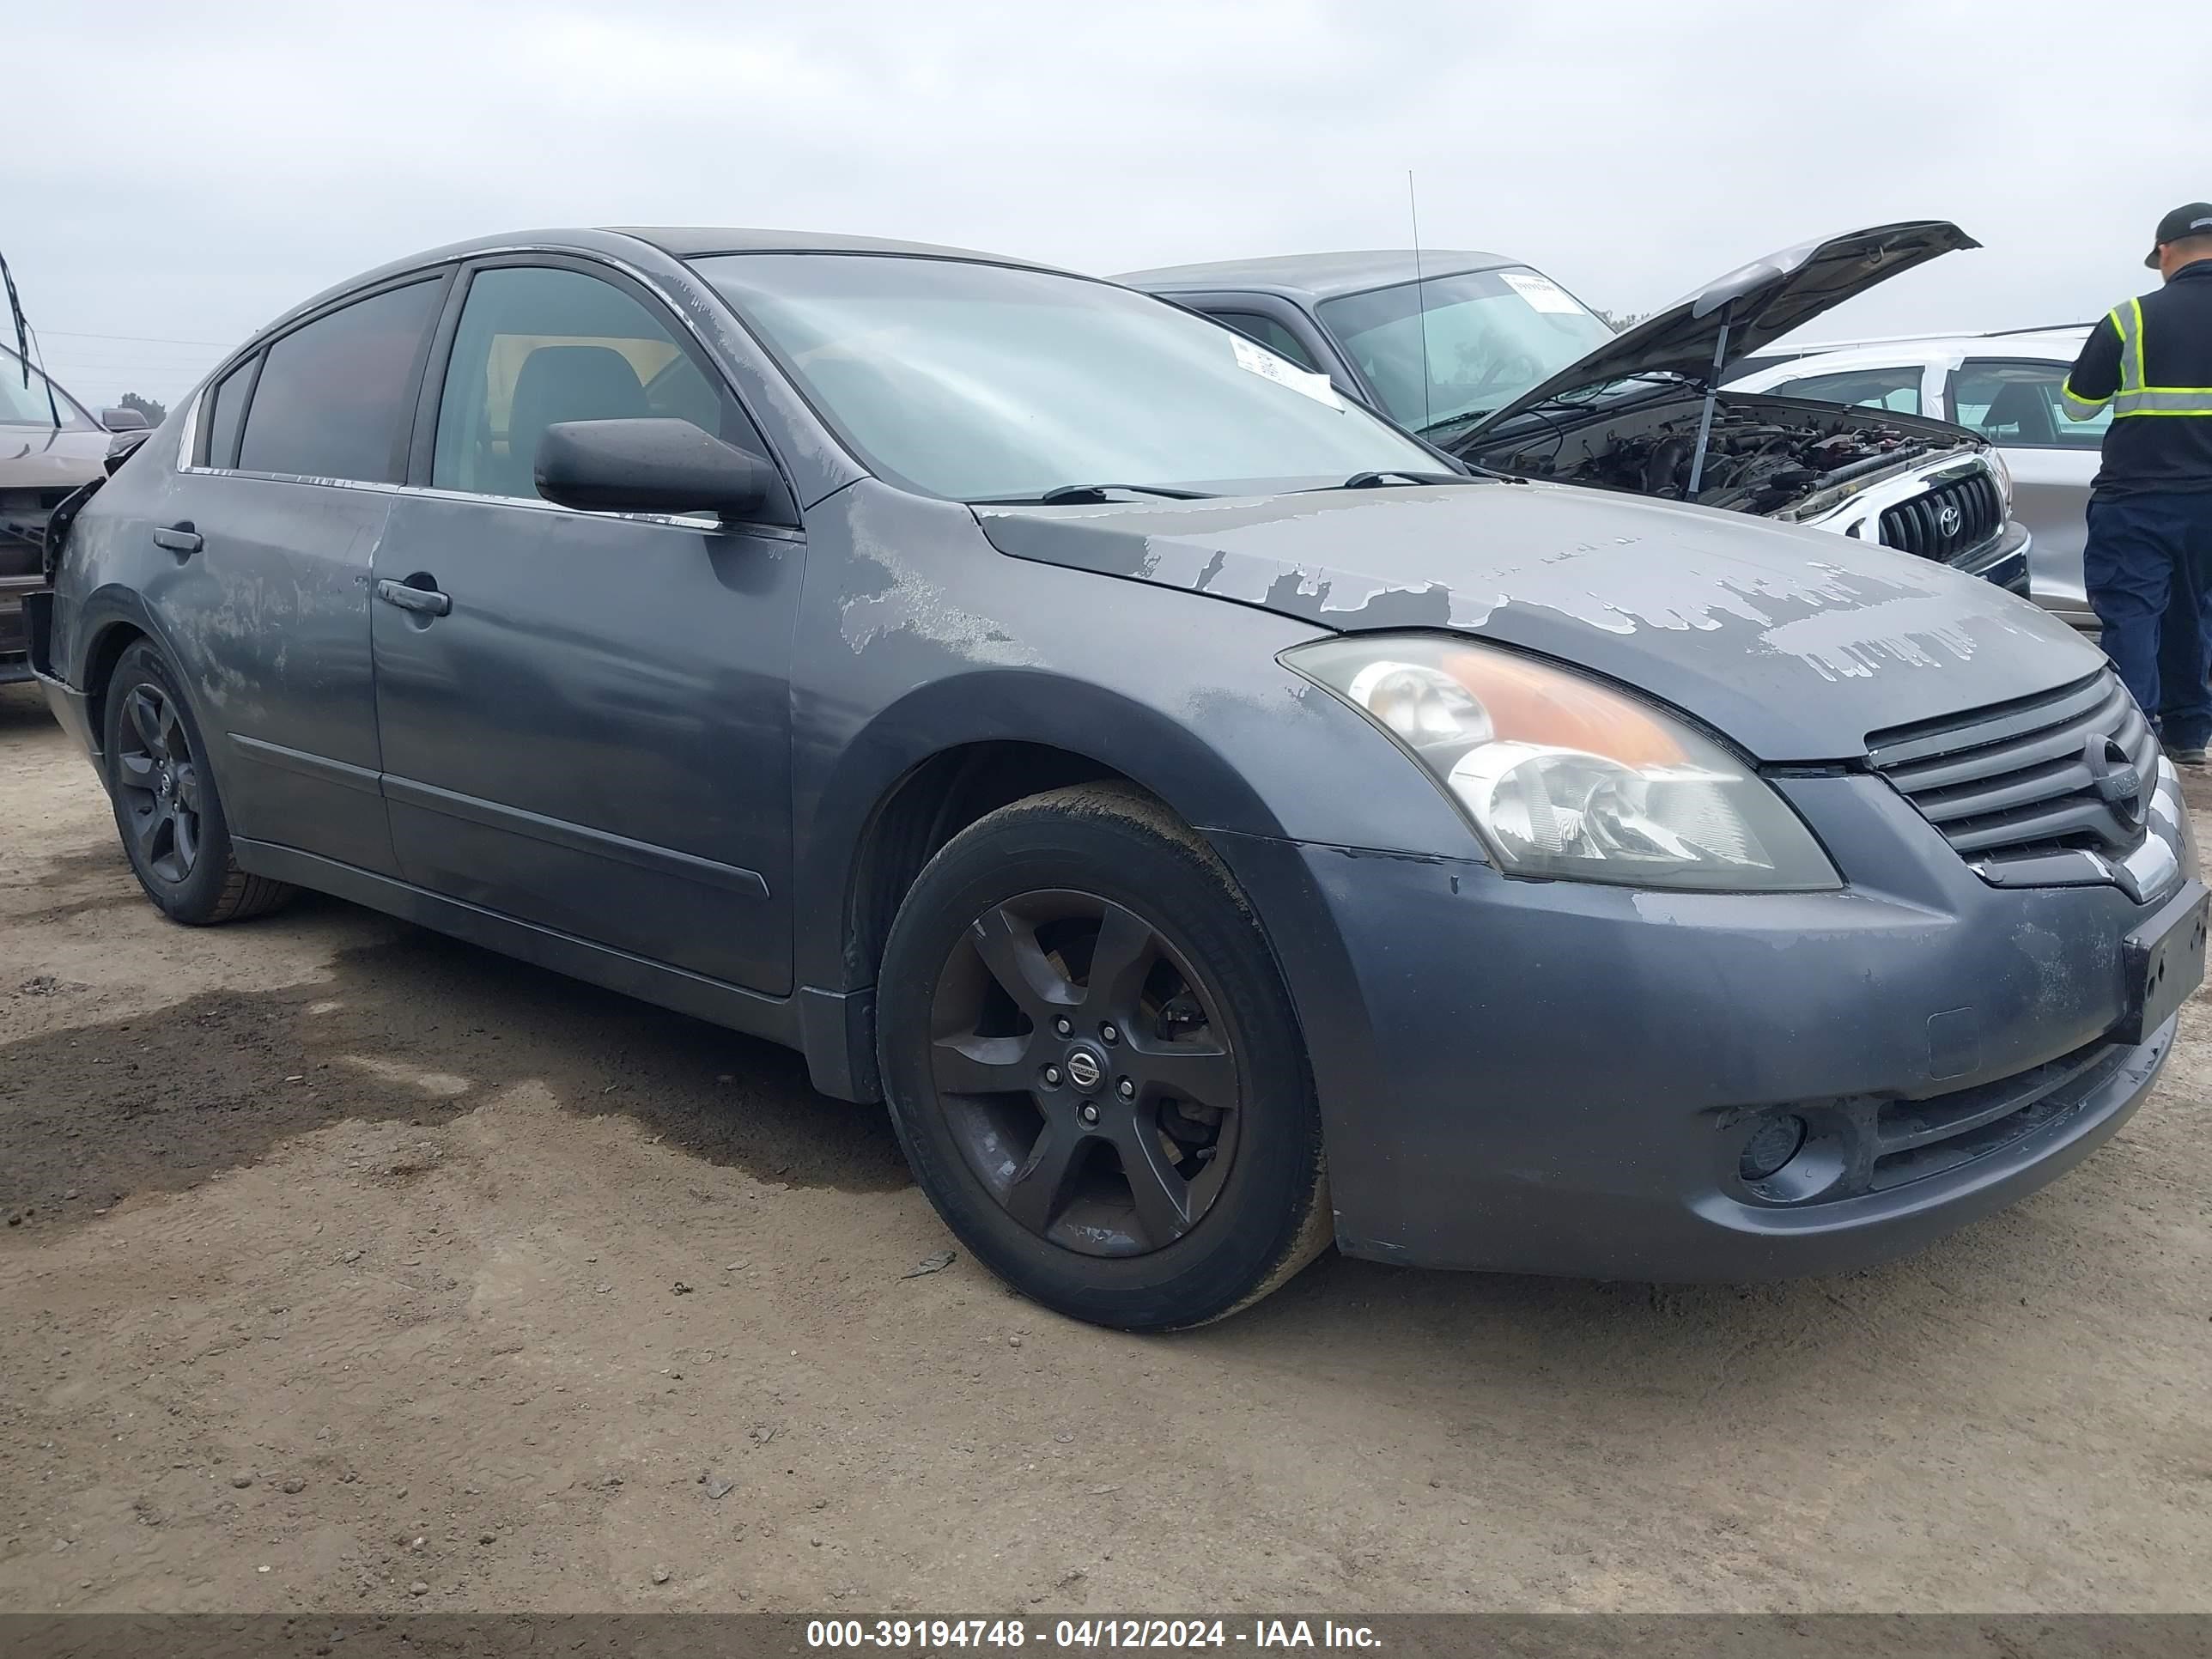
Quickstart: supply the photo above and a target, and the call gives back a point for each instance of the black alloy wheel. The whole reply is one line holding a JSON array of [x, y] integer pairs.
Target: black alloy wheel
[[167, 808], [1084, 1068], [157, 784], [1094, 1066]]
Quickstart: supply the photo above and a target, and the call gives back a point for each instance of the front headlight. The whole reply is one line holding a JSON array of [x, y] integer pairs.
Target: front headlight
[[1562, 776], [2004, 478]]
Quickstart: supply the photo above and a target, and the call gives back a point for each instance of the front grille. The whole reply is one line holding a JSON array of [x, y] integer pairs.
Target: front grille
[[1857, 1144], [1944, 522], [1916, 1138], [2017, 778]]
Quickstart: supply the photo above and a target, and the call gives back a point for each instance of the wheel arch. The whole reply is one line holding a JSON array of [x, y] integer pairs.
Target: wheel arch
[[949, 751], [111, 620], [927, 767]]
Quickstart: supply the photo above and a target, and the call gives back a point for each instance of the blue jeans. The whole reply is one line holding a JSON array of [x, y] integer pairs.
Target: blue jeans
[[2149, 569]]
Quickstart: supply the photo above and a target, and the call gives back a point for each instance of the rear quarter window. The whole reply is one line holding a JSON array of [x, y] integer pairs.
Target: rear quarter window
[[226, 413], [1269, 333]]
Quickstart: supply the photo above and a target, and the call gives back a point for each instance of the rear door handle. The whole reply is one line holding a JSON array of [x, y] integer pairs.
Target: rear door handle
[[423, 601], [177, 537]]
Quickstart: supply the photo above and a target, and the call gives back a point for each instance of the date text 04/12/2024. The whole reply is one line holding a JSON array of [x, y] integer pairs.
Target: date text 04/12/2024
[[895, 1635]]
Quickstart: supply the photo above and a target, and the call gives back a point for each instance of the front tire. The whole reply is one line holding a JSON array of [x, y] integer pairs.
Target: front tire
[[1095, 1069], [167, 808]]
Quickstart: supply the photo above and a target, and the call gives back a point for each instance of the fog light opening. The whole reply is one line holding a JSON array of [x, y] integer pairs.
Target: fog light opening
[[1773, 1145]]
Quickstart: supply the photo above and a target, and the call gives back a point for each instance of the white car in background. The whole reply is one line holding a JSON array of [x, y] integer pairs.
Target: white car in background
[[2004, 386]]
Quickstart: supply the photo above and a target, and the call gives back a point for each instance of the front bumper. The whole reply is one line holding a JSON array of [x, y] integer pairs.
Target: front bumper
[[1557, 1078], [2002, 559]]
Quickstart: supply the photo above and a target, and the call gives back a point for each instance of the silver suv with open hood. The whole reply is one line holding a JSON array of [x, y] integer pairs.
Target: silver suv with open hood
[[1492, 361]]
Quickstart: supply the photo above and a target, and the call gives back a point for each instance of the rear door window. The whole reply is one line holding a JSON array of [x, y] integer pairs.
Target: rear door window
[[538, 345], [2021, 405], [336, 398], [1897, 390]]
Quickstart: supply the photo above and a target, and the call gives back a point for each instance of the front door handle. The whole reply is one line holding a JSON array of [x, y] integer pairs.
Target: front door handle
[[179, 538], [423, 601]]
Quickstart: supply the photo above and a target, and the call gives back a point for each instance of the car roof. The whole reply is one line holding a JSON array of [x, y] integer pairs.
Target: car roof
[[1318, 276], [676, 242], [697, 242]]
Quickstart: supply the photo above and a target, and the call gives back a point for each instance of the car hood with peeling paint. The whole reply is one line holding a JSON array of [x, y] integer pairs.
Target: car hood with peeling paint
[[1793, 644]]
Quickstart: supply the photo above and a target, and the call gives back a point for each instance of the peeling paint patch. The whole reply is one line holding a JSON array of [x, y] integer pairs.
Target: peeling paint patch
[[1326, 556], [912, 603], [1910, 631]]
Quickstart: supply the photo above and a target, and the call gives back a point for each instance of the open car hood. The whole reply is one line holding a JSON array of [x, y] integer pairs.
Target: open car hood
[[1757, 303]]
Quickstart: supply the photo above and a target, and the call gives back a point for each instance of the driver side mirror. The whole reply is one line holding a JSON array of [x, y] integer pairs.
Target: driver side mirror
[[651, 466], [124, 420]]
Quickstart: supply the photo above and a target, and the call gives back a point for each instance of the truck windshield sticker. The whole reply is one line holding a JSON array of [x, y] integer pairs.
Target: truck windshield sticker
[[1541, 293], [1258, 360]]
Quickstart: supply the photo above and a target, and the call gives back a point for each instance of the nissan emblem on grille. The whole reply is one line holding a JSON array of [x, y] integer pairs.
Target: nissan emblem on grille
[[2118, 784], [1947, 518], [2072, 772]]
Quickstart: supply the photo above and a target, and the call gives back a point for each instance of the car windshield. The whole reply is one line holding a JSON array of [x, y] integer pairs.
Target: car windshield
[[1454, 348], [26, 405], [981, 382]]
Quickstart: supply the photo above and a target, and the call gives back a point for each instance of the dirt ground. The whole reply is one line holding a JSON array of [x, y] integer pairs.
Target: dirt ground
[[348, 1268]]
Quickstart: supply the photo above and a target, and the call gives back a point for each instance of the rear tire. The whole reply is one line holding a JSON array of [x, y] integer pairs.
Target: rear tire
[[1095, 1069], [167, 807]]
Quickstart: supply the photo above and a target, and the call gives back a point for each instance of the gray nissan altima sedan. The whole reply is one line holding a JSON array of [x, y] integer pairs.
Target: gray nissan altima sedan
[[1217, 826]]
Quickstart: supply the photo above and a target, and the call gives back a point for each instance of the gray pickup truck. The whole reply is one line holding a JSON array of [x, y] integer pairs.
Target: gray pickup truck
[[1494, 362]]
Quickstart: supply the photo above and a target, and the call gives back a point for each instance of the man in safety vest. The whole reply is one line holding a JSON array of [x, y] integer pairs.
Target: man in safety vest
[[2150, 509]]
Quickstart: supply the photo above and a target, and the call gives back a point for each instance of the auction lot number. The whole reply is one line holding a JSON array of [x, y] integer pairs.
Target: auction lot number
[[908, 1633]]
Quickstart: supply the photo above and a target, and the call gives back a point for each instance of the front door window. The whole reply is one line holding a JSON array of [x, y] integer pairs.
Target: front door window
[[539, 345]]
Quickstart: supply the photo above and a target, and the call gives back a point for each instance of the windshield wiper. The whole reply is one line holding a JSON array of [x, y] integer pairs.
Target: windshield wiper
[[1384, 479], [23, 343], [1398, 476], [1092, 494], [1466, 416]]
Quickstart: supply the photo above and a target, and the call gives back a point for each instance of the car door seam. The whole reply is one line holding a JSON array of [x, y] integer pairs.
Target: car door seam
[[576, 838]]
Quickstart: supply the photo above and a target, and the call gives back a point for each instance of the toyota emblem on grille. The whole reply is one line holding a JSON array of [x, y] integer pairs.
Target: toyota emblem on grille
[[1947, 518], [2118, 784]]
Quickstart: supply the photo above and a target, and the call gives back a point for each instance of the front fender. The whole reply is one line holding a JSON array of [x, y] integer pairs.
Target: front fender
[[1180, 692], [916, 638]]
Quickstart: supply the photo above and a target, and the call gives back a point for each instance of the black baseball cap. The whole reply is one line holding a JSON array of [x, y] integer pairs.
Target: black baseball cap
[[2194, 220]]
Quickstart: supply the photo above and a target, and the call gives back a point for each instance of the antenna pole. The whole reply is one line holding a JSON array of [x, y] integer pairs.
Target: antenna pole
[[1420, 299]]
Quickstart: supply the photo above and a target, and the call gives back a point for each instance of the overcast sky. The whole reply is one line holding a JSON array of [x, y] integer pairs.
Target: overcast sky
[[186, 172]]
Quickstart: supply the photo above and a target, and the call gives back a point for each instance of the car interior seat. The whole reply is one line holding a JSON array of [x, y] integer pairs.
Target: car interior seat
[[564, 383], [2020, 414]]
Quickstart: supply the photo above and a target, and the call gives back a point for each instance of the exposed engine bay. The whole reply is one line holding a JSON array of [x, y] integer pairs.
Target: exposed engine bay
[[1765, 456]]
